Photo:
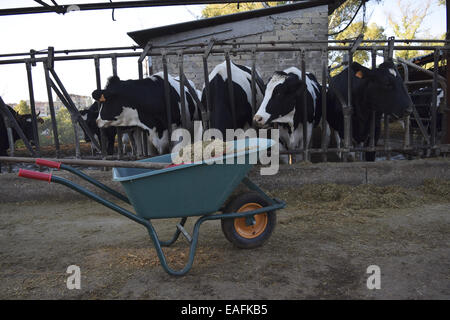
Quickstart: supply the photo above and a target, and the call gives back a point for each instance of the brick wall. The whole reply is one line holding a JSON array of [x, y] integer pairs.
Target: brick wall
[[306, 24]]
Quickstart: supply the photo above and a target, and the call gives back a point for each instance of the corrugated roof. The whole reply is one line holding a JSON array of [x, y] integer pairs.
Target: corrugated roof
[[141, 37]]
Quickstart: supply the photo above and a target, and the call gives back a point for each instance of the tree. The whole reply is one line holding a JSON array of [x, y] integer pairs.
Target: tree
[[407, 25], [371, 32], [214, 10], [22, 107], [342, 26]]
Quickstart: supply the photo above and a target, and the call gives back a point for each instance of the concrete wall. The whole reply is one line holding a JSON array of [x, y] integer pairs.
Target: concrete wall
[[306, 24], [400, 173]]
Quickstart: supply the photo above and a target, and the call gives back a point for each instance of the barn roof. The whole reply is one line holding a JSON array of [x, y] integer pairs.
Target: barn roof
[[141, 37]]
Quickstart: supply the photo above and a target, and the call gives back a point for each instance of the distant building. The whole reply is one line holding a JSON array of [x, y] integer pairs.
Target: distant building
[[81, 102]]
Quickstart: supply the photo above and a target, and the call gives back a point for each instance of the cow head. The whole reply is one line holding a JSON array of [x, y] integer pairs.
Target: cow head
[[281, 96], [383, 89], [90, 117], [25, 123], [117, 107]]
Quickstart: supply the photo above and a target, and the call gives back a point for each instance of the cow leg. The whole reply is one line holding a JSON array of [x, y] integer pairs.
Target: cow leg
[[370, 156], [110, 146], [137, 135], [338, 140], [284, 158]]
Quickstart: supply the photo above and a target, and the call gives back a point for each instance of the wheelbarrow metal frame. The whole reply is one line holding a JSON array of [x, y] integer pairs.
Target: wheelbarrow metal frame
[[275, 204]]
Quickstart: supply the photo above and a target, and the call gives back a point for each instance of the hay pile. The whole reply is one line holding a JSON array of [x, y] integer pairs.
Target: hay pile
[[204, 150], [437, 189], [344, 197]]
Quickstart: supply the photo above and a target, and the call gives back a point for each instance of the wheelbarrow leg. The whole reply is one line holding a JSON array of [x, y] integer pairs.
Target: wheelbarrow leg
[[192, 247], [175, 236]]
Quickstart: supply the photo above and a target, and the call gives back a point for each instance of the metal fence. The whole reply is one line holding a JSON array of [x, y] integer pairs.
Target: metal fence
[[406, 144]]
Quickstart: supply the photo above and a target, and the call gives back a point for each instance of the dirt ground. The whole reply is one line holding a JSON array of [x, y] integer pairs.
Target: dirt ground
[[325, 240]]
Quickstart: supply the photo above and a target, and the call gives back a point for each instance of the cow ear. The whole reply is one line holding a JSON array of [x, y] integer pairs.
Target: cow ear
[[360, 71], [99, 95]]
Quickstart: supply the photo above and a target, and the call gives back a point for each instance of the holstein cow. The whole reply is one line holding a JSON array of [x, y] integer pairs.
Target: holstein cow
[[142, 103], [422, 99], [90, 115], [283, 103], [24, 122], [221, 113], [380, 90]]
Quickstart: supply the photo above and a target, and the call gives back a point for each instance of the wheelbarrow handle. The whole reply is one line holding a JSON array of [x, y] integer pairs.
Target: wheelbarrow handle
[[35, 175], [48, 163]]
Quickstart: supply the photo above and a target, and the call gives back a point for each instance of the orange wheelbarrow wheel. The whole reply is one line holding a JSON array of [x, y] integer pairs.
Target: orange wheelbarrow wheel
[[252, 231]]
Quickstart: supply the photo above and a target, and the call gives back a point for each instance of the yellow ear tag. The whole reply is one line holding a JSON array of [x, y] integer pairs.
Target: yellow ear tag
[[359, 74], [102, 98]]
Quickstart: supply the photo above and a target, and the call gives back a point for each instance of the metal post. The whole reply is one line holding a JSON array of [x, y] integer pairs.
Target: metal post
[[253, 83], [52, 110], [73, 118], [305, 109], [373, 114], [182, 94], [434, 98], [33, 108], [207, 93], [230, 88], [114, 64], [167, 98], [348, 111], [119, 142], [144, 53], [97, 72], [324, 146], [447, 104]]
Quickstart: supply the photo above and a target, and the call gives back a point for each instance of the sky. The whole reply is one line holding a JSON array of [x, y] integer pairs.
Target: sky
[[93, 29]]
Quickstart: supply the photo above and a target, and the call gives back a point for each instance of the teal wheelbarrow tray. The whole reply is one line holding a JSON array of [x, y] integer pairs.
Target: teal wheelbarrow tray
[[192, 189]]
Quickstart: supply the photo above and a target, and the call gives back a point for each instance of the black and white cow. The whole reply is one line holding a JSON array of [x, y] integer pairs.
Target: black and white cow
[[283, 103], [142, 103], [221, 113], [24, 122], [90, 116], [422, 99], [380, 90]]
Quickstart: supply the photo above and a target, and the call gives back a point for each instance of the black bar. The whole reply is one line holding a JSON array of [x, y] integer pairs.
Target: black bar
[[253, 83], [230, 89], [52, 110], [305, 109], [222, 51], [98, 80], [207, 94], [182, 95], [114, 64], [33, 108], [324, 105], [167, 98], [348, 111], [434, 98]]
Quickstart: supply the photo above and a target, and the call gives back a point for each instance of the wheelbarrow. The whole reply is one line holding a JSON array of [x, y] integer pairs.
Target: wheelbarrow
[[190, 189]]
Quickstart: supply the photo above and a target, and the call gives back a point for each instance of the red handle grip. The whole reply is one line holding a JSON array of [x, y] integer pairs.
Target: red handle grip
[[35, 175], [48, 163]]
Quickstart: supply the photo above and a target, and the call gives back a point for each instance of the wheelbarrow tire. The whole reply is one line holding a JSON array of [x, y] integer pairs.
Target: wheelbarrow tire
[[238, 232]]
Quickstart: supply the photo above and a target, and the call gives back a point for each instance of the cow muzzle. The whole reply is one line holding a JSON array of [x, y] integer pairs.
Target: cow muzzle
[[259, 121]]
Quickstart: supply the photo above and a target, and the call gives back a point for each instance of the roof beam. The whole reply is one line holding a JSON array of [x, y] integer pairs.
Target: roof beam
[[45, 8]]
